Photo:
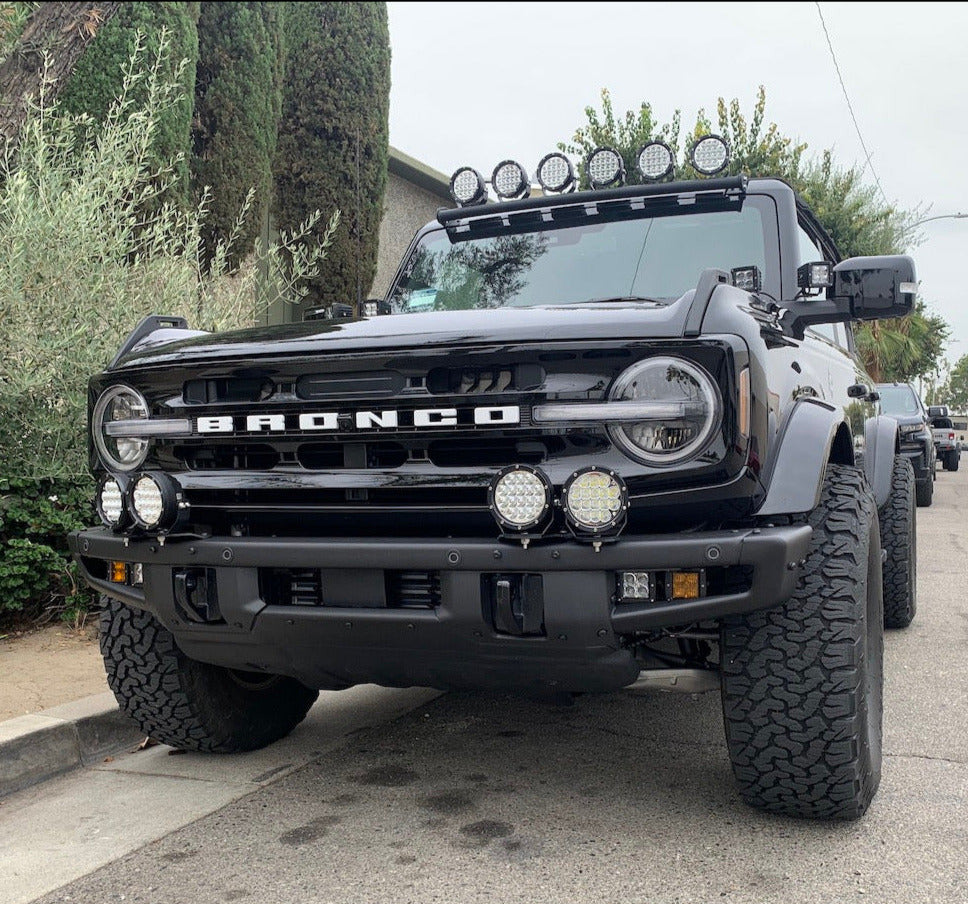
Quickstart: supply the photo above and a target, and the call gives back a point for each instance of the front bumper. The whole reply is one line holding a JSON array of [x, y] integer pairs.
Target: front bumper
[[921, 456], [582, 648]]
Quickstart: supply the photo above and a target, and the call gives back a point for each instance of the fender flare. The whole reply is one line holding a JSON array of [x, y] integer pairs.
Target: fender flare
[[795, 478], [880, 447]]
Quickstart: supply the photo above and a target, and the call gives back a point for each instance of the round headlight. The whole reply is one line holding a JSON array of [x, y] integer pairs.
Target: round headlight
[[595, 499], [605, 167], [672, 439], [467, 187], [520, 497], [655, 161], [110, 502], [555, 173], [117, 451], [709, 155], [510, 180]]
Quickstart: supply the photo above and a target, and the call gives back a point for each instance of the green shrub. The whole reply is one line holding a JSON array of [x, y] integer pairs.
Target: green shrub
[[238, 99], [36, 575], [99, 78], [332, 149], [80, 265]]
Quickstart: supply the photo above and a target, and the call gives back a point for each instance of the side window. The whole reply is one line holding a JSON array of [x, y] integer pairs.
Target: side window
[[807, 252]]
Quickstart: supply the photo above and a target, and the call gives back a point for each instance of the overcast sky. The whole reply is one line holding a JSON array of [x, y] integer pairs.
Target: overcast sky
[[476, 83]]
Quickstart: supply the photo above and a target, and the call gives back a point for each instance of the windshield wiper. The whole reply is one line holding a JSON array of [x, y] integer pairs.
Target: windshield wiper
[[614, 298]]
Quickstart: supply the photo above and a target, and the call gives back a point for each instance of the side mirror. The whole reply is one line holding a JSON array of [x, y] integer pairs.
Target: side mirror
[[876, 287]]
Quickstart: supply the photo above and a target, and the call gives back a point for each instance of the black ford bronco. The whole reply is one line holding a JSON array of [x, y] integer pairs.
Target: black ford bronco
[[588, 441]]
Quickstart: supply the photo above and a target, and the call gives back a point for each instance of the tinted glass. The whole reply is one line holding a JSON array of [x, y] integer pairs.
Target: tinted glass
[[656, 258], [898, 400]]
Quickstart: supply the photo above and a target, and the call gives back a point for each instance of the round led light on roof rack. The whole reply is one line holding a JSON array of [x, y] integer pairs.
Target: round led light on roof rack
[[605, 168], [709, 155], [510, 180], [654, 161], [556, 174], [467, 187]]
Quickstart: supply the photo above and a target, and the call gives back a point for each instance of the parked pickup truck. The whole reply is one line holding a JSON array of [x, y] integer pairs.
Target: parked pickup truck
[[947, 447]]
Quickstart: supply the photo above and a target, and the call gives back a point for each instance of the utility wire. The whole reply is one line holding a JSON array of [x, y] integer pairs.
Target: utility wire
[[850, 107]]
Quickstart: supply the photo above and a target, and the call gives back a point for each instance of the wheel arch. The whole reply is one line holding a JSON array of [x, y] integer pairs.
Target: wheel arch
[[881, 444], [814, 435]]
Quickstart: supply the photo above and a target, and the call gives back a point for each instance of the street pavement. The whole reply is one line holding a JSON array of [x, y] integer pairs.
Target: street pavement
[[470, 798]]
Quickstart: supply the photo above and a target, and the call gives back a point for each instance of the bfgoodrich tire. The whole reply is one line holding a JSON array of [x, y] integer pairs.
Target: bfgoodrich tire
[[193, 705], [924, 489], [802, 683], [898, 523]]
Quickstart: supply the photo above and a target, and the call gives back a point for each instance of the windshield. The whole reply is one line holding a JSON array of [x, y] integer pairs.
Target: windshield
[[898, 400], [657, 258]]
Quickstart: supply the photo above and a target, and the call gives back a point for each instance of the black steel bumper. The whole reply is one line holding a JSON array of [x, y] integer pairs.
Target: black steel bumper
[[453, 644], [922, 459]]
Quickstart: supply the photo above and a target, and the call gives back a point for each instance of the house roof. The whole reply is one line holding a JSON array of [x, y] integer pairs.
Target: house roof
[[426, 177]]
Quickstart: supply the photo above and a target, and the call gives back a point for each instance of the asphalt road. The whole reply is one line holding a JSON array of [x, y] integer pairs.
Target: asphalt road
[[471, 798]]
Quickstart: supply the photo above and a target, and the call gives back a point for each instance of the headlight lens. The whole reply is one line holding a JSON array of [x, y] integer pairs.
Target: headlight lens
[[110, 502], [119, 403], [594, 499], [520, 497], [148, 502], [671, 440]]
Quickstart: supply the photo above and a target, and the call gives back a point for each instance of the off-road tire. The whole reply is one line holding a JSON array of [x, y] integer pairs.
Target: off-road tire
[[951, 461], [924, 489], [188, 704], [802, 684], [898, 523]]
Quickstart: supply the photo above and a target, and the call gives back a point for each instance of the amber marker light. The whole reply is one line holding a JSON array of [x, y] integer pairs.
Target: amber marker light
[[744, 403], [118, 572], [686, 585]]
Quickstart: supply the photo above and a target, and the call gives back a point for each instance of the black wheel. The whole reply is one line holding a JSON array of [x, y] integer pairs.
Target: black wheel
[[898, 524], [193, 705], [802, 684], [924, 490], [951, 460]]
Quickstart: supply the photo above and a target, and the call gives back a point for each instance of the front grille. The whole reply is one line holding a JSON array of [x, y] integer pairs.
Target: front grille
[[235, 457]]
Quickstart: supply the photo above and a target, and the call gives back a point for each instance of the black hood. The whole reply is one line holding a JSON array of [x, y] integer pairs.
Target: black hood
[[573, 322]]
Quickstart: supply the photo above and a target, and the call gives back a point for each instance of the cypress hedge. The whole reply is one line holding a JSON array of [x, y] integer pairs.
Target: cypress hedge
[[238, 97], [333, 135], [97, 80]]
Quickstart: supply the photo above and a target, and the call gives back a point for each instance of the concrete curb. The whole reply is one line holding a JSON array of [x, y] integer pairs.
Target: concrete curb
[[41, 745]]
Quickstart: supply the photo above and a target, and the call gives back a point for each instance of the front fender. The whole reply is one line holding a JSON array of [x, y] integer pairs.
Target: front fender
[[795, 478], [880, 447]]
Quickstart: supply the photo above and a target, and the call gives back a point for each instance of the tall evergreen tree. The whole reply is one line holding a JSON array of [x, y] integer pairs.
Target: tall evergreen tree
[[98, 77], [333, 134], [238, 100]]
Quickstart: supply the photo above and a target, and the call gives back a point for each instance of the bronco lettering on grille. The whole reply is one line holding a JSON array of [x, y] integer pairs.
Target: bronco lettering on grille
[[336, 421]]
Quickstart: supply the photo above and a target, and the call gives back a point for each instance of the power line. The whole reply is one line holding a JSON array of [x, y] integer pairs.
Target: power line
[[850, 106]]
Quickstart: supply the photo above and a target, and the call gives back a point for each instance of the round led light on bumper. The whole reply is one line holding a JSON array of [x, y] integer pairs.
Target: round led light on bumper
[[520, 497], [556, 174], [605, 168], [110, 502], [119, 403], [595, 500], [709, 155], [654, 161], [154, 502], [670, 439], [510, 180], [467, 187]]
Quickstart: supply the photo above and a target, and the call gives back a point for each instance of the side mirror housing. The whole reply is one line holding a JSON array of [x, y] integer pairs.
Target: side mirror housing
[[876, 287], [863, 288]]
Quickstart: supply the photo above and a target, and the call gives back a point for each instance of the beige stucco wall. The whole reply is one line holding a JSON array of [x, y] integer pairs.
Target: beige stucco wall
[[406, 207]]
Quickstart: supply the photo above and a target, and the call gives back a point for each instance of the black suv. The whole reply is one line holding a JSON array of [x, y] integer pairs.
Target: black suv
[[902, 402], [588, 441]]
